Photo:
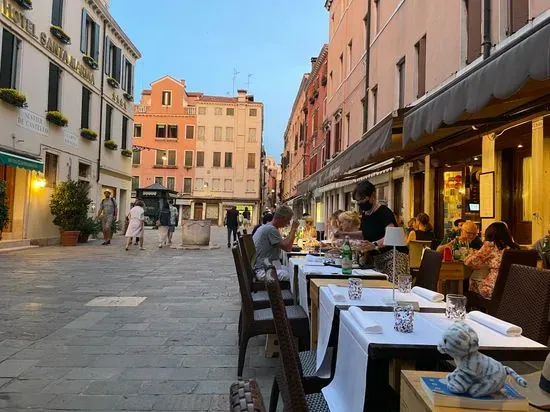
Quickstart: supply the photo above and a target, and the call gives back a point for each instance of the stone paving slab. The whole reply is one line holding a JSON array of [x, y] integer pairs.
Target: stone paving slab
[[175, 350]]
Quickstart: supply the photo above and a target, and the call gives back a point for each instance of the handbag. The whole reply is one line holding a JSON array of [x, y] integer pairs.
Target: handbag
[[384, 263]]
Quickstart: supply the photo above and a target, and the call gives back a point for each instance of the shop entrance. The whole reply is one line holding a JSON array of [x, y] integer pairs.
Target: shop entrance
[[7, 174], [197, 215]]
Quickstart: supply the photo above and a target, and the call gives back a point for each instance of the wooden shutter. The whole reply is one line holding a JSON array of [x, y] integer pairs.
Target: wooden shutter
[[124, 142], [474, 10], [95, 45], [57, 12], [117, 55], [518, 14], [130, 79], [53, 87], [107, 55], [6, 62], [421, 48], [84, 32], [123, 75], [85, 112]]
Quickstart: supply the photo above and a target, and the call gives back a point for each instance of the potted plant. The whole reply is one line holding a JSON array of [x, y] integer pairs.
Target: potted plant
[[128, 97], [13, 97], [126, 153], [4, 211], [90, 62], [57, 118], [58, 32], [110, 144], [69, 206], [88, 134], [88, 227], [113, 83], [25, 4]]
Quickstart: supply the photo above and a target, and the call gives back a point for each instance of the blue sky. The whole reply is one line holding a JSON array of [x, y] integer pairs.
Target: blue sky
[[203, 41]]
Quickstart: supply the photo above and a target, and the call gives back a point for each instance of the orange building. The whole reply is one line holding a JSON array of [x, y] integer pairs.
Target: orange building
[[165, 132]]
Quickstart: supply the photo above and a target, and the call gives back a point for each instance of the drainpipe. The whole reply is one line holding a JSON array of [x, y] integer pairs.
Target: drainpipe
[[486, 28], [367, 69], [101, 101]]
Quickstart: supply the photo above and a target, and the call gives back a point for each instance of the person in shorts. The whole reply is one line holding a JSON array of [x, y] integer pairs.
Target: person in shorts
[[107, 214]]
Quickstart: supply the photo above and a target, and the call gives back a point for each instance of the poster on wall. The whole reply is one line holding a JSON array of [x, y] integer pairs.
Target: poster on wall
[[487, 195]]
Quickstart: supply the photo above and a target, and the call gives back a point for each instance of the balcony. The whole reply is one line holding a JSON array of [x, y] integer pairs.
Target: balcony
[[191, 110], [141, 109], [156, 166]]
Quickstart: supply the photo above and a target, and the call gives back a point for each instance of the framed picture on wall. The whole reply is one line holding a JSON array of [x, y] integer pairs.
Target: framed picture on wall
[[487, 195]]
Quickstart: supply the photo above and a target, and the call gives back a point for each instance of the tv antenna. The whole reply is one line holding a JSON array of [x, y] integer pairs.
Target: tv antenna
[[248, 82], [235, 73]]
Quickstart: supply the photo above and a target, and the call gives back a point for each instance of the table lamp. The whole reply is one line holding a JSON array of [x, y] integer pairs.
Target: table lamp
[[395, 236]]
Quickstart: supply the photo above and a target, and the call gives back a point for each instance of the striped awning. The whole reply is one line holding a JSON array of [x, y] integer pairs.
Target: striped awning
[[23, 162]]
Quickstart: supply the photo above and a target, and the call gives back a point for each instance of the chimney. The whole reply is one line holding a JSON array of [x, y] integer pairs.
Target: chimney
[[313, 61], [241, 95], [182, 81]]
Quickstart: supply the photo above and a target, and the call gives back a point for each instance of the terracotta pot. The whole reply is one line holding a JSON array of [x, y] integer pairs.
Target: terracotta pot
[[69, 237], [83, 237]]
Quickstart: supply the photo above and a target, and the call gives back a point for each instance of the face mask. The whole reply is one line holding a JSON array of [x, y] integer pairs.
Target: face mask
[[365, 206]]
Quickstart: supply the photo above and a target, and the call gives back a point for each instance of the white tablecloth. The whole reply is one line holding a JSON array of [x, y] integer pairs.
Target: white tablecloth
[[292, 262], [346, 392], [371, 297]]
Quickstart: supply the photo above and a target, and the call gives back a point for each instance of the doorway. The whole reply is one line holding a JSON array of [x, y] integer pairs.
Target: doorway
[[7, 174], [198, 211]]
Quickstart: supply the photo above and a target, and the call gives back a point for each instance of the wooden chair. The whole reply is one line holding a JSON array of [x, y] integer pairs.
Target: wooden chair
[[525, 301], [416, 247], [509, 258], [255, 322], [428, 273], [245, 396]]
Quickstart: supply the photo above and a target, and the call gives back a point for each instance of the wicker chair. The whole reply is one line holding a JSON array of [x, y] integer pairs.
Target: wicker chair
[[428, 274], [509, 258], [245, 396], [290, 373], [526, 301], [260, 321]]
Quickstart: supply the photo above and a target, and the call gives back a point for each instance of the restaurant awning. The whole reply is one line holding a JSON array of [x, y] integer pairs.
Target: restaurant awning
[[358, 154], [500, 76], [21, 161]]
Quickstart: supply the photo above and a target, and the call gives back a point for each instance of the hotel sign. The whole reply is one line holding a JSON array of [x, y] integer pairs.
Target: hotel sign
[[11, 12]]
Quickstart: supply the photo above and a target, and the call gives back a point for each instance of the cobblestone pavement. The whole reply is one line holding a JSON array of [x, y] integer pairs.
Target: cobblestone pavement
[[177, 350]]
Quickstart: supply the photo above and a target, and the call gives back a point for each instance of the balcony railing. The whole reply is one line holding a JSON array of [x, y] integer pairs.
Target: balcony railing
[[141, 109], [191, 110], [157, 166]]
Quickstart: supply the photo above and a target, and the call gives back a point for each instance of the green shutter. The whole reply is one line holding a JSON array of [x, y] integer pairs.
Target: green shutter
[[83, 32]]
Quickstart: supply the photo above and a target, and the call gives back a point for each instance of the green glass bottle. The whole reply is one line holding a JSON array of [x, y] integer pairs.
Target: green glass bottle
[[347, 258]]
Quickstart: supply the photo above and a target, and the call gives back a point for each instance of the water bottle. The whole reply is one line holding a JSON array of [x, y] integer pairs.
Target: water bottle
[[347, 258]]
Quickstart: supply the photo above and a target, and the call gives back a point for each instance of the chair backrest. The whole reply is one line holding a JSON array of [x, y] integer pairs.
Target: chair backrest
[[526, 301], [246, 297], [248, 243], [415, 252], [546, 260], [290, 379], [248, 254], [510, 257], [428, 274]]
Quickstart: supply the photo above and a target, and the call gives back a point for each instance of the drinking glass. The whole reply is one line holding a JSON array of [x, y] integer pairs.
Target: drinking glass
[[404, 318], [455, 307], [355, 290], [404, 283]]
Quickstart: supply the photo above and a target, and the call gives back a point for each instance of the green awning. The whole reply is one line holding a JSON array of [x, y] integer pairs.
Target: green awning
[[9, 159]]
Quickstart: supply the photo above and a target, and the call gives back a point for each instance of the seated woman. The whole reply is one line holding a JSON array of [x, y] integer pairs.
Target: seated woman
[[423, 229], [411, 225], [333, 225], [468, 236], [486, 261], [349, 222], [309, 231]]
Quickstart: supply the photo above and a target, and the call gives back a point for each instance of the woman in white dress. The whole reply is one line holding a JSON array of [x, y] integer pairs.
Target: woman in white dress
[[136, 224]]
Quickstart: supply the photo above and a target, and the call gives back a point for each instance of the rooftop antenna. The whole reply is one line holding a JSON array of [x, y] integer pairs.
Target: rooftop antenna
[[248, 82], [235, 73]]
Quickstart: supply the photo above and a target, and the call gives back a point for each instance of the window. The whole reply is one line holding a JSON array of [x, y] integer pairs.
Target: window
[[200, 159], [136, 157], [348, 128], [84, 170], [230, 111], [518, 15], [377, 12], [108, 122], [337, 136], [187, 184], [9, 62], [127, 76], [473, 27], [202, 111], [228, 159], [251, 135], [172, 131], [124, 140], [171, 157], [341, 59], [89, 36], [250, 185], [420, 50], [113, 60], [401, 83], [374, 104], [53, 87], [227, 185], [57, 13], [202, 132], [188, 162], [50, 169], [137, 130], [217, 159], [216, 183], [165, 157], [189, 132], [167, 98], [159, 180], [350, 55], [251, 161], [85, 109], [217, 133], [218, 111], [135, 183], [253, 112], [229, 134], [160, 131], [199, 185], [171, 183], [161, 157]]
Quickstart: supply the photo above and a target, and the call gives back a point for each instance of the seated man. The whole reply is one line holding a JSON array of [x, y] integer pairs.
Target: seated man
[[269, 243]]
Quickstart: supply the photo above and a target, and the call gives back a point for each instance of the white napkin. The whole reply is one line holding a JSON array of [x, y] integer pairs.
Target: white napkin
[[336, 294], [364, 320], [495, 324], [428, 294], [314, 259], [367, 272]]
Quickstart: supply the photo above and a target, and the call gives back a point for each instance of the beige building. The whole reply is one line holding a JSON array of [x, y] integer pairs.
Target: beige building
[[271, 184], [52, 52], [228, 156]]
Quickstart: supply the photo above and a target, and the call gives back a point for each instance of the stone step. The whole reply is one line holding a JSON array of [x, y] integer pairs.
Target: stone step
[[16, 249], [9, 244]]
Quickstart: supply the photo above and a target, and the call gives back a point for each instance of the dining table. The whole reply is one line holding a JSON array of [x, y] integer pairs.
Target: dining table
[[454, 271]]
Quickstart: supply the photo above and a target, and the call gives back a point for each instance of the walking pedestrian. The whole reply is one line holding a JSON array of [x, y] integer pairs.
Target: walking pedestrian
[[163, 223], [107, 214], [246, 219], [136, 224], [173, 220], [232, 223]]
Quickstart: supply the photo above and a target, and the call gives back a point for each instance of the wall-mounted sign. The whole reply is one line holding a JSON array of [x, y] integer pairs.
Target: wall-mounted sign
[[119, 100], [33, 122], [70, 139]]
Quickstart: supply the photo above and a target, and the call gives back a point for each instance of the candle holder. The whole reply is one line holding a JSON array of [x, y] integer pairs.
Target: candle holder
[[355, 290], [404, 318]]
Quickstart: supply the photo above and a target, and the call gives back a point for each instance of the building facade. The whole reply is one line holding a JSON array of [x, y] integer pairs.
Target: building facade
[[271, 184], [75, 67]]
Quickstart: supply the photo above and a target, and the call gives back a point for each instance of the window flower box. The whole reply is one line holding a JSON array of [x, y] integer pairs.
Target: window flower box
[[25, 4], [126, 153], [58, 32], [88, 134], [128, 97], [113, 83], [13, 97], [57, 118], [90, 62], [110, 144]]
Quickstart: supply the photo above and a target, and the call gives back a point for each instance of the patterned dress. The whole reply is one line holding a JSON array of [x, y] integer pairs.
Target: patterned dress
[[487, 259]]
